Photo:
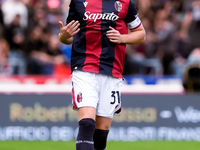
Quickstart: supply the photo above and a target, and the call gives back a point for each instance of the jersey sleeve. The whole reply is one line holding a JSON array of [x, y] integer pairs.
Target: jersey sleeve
[[72, 15], [132, 19]]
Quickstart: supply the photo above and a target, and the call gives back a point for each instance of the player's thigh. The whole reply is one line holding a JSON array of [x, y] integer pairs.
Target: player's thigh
[[103, 123], [87, 112]]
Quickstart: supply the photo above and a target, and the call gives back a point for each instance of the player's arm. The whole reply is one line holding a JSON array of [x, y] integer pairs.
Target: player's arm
[[67, 32], [136, 36]]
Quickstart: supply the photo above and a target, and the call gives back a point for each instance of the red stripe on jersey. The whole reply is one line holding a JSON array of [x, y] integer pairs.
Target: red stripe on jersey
[[121, 26], [93, 37]]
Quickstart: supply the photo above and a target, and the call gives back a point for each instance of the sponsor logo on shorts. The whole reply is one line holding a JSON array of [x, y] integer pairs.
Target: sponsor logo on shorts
[[79, 97]]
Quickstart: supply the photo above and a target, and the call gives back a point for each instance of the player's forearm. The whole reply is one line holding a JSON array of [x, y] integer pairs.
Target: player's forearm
[[136, 36]]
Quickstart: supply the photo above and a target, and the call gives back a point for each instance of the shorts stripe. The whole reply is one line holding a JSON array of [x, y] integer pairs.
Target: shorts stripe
[[73, 99], [118, 111]]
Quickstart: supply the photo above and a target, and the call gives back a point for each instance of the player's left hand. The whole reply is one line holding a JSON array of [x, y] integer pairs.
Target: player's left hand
[[114, 35], [69, 30]]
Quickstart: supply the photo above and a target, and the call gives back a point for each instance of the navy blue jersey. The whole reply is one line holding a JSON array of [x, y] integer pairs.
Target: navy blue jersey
[[92, 51]]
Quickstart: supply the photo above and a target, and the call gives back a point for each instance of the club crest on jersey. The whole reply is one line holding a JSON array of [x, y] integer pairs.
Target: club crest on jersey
[[79, 97], [118, 5]]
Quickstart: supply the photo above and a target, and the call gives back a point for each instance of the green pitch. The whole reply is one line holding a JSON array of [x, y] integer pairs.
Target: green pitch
[[139, 145]]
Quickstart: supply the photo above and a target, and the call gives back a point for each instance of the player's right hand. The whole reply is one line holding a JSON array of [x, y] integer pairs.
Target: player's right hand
[[69, 30], [114, 35]]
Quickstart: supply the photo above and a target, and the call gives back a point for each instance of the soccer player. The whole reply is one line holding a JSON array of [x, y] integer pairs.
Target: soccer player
[[98, 31]]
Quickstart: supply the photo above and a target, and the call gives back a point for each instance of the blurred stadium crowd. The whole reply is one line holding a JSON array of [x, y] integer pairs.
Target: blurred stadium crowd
[[29, 43]]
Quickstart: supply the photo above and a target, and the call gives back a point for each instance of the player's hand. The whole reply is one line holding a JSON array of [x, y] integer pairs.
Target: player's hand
[[69, 30], [114, 35]]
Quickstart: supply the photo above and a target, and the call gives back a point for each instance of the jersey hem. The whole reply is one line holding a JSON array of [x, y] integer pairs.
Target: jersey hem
[[120, 76]]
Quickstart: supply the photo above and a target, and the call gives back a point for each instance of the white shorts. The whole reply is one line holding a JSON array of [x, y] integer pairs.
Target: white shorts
[[102, 92]]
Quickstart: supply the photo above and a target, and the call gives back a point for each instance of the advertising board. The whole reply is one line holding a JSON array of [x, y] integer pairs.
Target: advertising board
[[143, 117]]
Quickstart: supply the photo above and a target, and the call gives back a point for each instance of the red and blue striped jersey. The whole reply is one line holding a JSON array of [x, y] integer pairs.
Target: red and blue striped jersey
[[92, 51]]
